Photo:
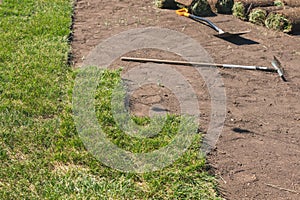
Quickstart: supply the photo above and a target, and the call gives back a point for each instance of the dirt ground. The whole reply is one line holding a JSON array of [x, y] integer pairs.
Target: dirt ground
[[258, 153]]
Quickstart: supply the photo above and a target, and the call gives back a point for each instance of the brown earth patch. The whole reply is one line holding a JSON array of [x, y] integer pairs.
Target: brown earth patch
[[260, 144]]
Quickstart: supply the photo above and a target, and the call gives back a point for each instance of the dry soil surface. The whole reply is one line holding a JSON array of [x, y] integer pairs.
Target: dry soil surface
[[258, 153]]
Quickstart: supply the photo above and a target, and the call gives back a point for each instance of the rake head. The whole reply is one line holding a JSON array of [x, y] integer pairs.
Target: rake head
[[278, 67]]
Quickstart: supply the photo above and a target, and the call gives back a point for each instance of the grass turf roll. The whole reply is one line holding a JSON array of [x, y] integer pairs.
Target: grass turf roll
[[200, 8], [287, 20], [242, 7], [260, 14], [224, 6]]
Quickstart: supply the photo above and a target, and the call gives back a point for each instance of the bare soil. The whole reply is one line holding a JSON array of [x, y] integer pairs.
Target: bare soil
[[258, 153]]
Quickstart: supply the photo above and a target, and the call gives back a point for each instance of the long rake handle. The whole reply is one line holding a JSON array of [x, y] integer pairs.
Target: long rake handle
[[198, 64]]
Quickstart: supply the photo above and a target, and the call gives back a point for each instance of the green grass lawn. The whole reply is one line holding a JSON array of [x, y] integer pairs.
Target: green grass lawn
[[42, 156]]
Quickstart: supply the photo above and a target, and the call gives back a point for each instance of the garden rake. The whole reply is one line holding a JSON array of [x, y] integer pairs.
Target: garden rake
[[275, 62]]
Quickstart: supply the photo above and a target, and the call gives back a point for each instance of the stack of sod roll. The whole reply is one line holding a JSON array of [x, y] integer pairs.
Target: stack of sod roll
[[282, 15], [206, 6], [286, 20], [242, 8], [198, 7], [259, 15]]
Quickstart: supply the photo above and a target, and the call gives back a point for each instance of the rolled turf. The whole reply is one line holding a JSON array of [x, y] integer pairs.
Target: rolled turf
[[200, 8], [222, 6], [242, 7], [287, 20], [260, 14]]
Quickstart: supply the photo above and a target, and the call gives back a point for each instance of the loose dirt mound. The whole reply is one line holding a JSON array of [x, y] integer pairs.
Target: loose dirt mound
[[257, 156]]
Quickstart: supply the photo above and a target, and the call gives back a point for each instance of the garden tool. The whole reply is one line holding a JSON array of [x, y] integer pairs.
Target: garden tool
[[222, 34], [275, 62]]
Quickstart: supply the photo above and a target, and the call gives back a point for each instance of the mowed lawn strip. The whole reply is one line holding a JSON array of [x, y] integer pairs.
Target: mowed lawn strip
[[42, 156]]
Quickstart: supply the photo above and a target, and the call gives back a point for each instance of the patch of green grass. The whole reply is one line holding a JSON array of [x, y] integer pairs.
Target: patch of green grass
[[116, 134], [42, 156]]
